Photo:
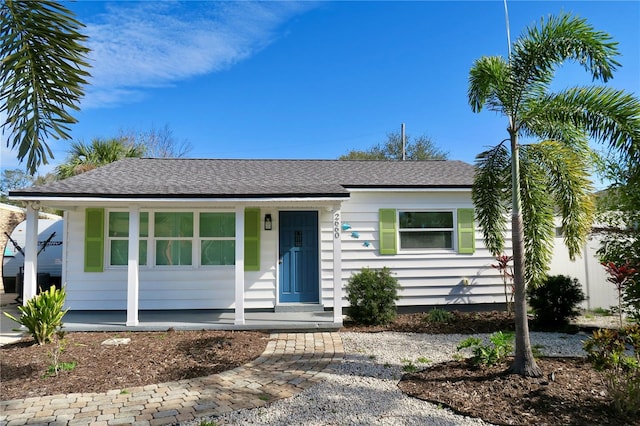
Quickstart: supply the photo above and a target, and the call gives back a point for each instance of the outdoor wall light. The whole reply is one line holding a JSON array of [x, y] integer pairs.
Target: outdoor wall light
[[268, 225]]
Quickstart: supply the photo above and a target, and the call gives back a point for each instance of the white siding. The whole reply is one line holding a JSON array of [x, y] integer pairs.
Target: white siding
[[426, 278], [169, 288]]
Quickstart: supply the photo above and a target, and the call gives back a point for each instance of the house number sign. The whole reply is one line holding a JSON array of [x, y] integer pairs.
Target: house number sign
[[336, 225]]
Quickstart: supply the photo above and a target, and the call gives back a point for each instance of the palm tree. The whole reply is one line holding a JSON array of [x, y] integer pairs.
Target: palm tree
[[535, 181], [84, 157], [42, 74]]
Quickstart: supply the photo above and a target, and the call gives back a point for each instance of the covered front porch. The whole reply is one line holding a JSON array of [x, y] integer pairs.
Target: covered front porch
[[199, 319], [117, 296]]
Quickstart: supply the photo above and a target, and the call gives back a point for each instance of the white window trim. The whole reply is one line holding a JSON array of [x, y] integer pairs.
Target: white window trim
[[108, 239], [151, 240], [453, 229], [201, 239], [193, 239]]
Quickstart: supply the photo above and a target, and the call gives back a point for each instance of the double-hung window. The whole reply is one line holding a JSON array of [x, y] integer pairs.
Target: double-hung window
[[173, 234], [426, 230], [170, 238], [118, 238], [217, 239]]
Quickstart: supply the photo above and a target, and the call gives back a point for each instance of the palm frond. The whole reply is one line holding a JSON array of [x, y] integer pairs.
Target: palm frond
[[559, 39], [42, 74], [538, 218], [488, 81], [567, 172], [606, 114], [84, 157], [542, 49], [491, 194], [536, 122]]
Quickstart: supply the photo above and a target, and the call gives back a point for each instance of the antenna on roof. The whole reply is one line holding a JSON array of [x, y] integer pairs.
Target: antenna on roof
[[506, 16], [404, 151]]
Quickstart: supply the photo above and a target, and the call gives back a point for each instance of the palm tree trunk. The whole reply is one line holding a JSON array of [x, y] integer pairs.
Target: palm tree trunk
[[523, 363]]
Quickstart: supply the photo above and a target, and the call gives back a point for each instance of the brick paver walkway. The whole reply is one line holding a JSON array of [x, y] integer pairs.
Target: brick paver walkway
[[291, 363]]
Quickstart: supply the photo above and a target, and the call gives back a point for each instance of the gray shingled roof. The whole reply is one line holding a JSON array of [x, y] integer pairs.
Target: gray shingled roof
[[195, 178]]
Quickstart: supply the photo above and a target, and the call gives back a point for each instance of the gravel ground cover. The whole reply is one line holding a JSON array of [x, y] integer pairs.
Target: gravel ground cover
[[363, 390]]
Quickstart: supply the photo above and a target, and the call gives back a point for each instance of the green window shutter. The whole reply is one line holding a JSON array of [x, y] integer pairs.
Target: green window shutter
[[94, 240], [466, 232], [388, 231], [252, 239]]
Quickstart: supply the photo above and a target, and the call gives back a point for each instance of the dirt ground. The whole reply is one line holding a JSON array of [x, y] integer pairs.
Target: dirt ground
[[570, 391], [150, 357]]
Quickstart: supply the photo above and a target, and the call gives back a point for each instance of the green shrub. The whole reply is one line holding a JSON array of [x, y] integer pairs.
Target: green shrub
[[42, 314], [372, 295], [556, 300], [617, 354], [500, 346], [439, 316]]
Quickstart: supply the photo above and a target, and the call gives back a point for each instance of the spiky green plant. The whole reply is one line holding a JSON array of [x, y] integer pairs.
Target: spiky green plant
[[42, 314]]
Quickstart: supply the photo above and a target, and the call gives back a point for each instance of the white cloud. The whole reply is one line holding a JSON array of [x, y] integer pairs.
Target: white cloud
[[154, 44]]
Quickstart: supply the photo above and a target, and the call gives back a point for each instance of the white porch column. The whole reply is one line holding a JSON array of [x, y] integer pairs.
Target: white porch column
[[337, 265], [132, 266], [30, 277], [239, 311]]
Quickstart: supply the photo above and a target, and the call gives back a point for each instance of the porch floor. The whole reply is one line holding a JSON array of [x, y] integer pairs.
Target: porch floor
[[159, 320]]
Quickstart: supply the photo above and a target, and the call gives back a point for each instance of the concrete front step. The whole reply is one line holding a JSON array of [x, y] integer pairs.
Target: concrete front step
[[299, 307]]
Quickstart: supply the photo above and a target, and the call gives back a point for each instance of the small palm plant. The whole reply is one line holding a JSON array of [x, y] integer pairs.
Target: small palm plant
[[42, 314]]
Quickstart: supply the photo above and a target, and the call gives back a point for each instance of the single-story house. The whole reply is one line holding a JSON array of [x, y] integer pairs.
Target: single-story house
[[242, 235]]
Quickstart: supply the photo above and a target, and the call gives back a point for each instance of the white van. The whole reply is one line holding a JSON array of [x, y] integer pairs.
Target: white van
[[49, 259]]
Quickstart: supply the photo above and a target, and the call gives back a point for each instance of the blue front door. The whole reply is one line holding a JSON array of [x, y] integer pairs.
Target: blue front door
[[299, 257]]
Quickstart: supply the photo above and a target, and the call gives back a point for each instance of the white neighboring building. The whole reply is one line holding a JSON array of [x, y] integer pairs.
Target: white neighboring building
[[587, 269]]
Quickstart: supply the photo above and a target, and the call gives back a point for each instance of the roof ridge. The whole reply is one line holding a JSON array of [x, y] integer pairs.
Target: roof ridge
[[262, 177], [389, 160]]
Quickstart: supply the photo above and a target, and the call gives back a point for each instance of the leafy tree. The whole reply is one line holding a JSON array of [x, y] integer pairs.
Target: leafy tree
[[42, 74], [158, 143], [619, 226], [531, 181], [421, 148], [84, 157], [13, 179], [619, 211]]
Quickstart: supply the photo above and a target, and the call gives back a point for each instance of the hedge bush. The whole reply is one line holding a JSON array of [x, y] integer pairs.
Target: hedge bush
[[372, 295], [556, 300]]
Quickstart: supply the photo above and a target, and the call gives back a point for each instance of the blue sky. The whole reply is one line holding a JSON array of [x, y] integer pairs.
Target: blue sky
[[310, 79]]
